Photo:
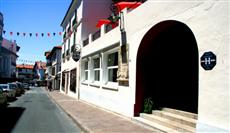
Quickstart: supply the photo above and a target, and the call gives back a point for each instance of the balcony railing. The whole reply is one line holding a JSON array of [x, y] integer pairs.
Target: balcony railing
[[107, 27], [48, 63], [86, 42], [96, 35]]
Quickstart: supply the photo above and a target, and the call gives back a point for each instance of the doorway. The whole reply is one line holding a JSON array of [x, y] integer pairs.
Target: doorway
[[167, 68]]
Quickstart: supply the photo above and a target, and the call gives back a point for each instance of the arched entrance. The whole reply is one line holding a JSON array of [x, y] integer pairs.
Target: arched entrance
[[167, 68]]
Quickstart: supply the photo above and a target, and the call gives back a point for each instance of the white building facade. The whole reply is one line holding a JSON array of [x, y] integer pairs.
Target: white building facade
[[75, 20], [8, 58], [158, 54]]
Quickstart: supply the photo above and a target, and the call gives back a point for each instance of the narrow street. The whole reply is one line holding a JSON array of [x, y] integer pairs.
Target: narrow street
[[35, 112]]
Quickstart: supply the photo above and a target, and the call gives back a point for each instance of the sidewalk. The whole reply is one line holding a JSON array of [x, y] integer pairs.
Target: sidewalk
[[95, 120]]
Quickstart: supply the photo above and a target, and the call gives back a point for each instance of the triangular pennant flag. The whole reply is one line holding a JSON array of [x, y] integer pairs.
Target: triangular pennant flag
[[36, 34], [30, 34], [48, 34], [4, 32], [11, 33], [18, 33], [54, 34], [24, 34], [60, 33], [42, 34]]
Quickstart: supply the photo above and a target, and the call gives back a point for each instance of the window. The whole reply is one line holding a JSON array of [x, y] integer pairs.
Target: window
[[96, 69], [73, 80], [63, 81], [53, 71], [112, 66], [86, 66]]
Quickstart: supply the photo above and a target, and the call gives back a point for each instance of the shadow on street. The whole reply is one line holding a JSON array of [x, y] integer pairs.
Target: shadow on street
[[9, 117]]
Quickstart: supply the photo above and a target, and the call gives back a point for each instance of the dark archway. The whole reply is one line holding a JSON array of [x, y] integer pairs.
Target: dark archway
[[167, 68]]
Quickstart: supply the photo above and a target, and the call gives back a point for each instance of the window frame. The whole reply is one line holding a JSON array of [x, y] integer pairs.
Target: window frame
[[107, 83], [111, 67], [96, 69]]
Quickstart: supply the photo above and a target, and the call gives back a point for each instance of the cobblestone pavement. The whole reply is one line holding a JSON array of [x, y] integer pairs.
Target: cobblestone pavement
[[95, 120]]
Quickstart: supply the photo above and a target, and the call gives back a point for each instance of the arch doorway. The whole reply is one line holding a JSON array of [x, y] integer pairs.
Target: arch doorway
[[167, 68]]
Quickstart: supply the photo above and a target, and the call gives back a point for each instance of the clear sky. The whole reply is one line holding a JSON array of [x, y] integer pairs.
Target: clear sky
[[33, 16]]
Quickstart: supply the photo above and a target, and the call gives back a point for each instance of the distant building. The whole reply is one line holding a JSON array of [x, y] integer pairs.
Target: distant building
[[8, 56], [24, 72], [1, 27], [39, 70], [53, 65]]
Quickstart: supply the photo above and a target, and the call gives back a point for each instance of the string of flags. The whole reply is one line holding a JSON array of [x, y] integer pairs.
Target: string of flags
[[30, 34], [25, 61]]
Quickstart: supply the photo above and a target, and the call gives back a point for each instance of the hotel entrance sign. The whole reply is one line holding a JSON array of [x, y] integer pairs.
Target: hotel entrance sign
[[208, 60]]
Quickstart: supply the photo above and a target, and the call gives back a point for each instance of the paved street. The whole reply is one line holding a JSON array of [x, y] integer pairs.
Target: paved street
[[34, 112]]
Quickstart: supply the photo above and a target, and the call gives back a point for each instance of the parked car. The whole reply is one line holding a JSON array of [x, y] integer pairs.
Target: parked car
[[15, 86], [20, 86], [3, 99], [26, 86], [8, 90]]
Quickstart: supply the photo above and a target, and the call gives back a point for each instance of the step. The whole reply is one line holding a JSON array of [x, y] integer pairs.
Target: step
[[177, 118], [180, 112], [154, 125], [168, 123]]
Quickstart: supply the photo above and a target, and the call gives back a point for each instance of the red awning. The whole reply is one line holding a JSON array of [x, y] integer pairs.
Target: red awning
[[102, 21], [122, 5]]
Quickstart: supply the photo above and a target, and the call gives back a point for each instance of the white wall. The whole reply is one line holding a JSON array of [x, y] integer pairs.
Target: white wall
[[209, 21]]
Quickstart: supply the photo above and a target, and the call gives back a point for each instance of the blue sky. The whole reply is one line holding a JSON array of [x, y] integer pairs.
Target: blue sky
[[33, 16]]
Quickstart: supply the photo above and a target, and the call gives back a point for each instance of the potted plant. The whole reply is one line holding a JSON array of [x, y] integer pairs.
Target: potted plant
[[148, 105]]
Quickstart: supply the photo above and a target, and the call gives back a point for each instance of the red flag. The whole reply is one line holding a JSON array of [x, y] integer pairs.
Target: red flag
[[48, 34], [11, 33], [60, 33]]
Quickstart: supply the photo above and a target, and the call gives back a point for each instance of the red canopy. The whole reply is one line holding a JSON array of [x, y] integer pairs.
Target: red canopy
[[122, 5], [102, 21]]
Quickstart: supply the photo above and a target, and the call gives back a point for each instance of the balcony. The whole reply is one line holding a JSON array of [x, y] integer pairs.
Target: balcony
[[49, 63], [109, 34], [96, 35]]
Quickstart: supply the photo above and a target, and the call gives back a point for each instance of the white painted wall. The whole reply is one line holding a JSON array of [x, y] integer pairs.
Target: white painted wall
[[209, 21]]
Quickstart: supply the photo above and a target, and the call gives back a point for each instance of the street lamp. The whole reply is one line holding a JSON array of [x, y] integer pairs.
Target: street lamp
[[114, 17]]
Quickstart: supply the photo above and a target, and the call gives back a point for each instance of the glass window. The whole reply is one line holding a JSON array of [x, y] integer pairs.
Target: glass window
[[86, 70], [96, 68], [113, 59], [112, 67], [73, 80], [96, 63]]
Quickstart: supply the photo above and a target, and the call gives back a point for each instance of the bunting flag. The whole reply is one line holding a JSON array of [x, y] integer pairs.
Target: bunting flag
[[30, 34]]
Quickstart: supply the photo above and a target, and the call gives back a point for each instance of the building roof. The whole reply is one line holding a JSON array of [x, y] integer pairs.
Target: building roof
[[53, 51], [73, 5], [25, 66], [47, 53]]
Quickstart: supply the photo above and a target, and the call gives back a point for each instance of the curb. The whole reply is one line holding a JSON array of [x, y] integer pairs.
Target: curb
[[83, 128]]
